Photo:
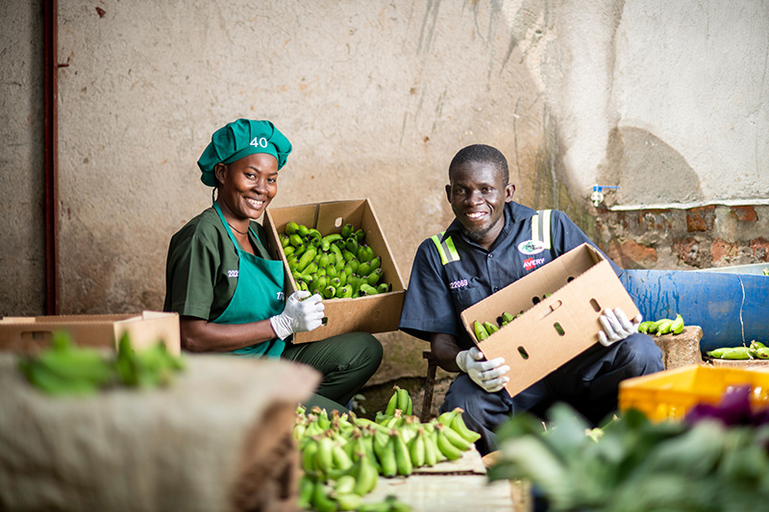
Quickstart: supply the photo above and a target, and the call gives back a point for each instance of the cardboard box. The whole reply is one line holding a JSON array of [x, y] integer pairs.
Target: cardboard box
[[28, 334], [554, 329], [376, 313]]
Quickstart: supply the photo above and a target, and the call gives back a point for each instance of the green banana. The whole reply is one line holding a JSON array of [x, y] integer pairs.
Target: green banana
[[291, 227], [456, 439], [345, 292], [417, 449], [331, 238], [329, 292], [340, 459], [643, 327], [295, 240], [458, 425], [507, 318], [403, 398], [431, 450], [762, 353], [306, 488], [349, 501], [345, 484], [490, 328], [373, 278], [302, 230], [717, 352], [388, 460], [664, 326], [446, 447], [392, 404], [347, 230], [352, 246], [447, 417], [677, 326], [324, 457], [366, 289], [337, 252], [736, 353], [306, 259], [383, 287], [321, 501], [308, 456], [367, 476], [364, 268], [402, 457], [480, 331], [375, 263]]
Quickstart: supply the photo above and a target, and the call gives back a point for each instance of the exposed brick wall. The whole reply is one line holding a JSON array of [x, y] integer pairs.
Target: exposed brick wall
[[703, 237]]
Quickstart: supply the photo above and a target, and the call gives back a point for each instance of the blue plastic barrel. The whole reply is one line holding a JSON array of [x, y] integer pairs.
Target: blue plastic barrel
[[731, 308]]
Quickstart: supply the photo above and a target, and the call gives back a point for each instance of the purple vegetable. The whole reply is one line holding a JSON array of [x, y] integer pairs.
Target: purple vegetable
[[733, 409]]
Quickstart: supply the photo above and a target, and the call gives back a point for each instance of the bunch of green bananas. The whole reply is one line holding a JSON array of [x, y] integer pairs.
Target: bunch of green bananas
[[485, 329], [337, 265], [662, 326], [66, 369], [756, 350], [342, 456]]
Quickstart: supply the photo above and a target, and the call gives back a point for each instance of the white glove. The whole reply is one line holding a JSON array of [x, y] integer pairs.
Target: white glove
[[616, 326], [299, 315], [487, 374]]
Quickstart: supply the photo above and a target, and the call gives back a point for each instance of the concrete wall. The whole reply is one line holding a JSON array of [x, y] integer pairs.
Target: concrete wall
[[666, 100], [22, 225]]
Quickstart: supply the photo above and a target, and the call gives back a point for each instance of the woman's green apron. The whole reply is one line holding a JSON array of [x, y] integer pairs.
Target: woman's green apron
[[258, 295]]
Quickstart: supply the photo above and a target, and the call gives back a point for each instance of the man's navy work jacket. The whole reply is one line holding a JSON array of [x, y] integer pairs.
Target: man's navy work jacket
[[451, 273]]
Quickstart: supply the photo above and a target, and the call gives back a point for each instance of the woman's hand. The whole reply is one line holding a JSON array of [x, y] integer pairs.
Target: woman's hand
[[302, 313]]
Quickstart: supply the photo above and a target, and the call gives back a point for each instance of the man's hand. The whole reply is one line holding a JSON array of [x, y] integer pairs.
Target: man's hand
[[487, 374], [302, 313], [616, 326]]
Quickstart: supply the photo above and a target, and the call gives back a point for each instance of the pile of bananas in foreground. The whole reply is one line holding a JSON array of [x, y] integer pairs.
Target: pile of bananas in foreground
[[342, 456], [662, 326], [337, 265], [66, 369]]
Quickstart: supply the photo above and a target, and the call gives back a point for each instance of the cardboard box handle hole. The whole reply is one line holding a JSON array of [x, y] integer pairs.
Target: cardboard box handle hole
[[523, 353]]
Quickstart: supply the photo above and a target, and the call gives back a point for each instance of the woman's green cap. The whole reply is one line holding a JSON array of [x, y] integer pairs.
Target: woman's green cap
[[239, 139]]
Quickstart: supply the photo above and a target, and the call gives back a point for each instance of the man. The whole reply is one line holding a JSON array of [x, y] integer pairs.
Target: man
[[488, 246]]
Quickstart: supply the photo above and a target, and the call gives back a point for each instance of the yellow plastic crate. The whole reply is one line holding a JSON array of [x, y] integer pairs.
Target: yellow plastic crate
[[669, 395]]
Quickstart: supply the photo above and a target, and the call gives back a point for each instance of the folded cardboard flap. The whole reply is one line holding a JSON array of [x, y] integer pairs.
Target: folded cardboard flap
[[27, 334], [376, 313], [561, 303]]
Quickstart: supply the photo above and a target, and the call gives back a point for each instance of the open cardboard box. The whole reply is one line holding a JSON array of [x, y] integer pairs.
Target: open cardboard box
[[375, 313], [29, 334], [552, 330]]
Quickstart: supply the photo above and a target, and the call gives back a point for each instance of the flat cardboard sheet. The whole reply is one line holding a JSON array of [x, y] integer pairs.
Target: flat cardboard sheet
[[561, 303]]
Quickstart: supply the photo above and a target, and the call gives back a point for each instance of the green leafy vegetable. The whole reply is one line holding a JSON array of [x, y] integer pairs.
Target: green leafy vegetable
[[633, 464]]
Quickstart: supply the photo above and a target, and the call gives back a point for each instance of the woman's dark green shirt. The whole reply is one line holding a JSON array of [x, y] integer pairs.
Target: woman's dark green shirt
[[202, 267]]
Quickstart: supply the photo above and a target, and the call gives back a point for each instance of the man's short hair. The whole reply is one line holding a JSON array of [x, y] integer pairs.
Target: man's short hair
[[481, 153]]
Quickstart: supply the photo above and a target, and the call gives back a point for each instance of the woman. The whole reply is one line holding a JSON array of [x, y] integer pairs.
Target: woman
[[227, 290]]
